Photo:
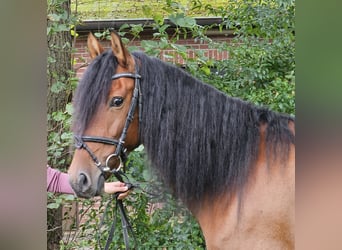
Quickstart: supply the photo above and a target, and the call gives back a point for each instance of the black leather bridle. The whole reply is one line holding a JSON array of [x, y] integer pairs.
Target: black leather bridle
[[120, 151]]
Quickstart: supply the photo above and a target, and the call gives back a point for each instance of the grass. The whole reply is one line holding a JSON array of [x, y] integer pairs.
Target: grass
[[110, 9]]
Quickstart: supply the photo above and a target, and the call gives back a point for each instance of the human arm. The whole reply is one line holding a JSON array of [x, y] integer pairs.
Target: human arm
[[58, 182]]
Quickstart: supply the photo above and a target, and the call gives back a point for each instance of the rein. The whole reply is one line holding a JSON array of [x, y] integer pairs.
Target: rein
[[120, 153], [126, 226]]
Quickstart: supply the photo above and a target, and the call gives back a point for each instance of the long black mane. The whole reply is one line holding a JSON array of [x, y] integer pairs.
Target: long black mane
[[201, 142]]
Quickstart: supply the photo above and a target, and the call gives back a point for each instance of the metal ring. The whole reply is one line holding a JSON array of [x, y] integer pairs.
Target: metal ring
[[78, 142], [107, 168]]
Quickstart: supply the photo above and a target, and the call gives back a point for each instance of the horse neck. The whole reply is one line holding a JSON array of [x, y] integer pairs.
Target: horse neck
[[187, 133]]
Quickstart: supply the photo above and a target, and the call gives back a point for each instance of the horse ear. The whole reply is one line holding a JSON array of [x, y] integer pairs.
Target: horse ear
[[120, 50], [94, 46]]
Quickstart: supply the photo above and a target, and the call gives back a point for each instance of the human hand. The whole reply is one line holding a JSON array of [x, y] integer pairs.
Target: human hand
[[114, 187]]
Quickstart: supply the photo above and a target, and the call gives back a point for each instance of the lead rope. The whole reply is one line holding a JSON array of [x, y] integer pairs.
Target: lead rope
[[126, 226]]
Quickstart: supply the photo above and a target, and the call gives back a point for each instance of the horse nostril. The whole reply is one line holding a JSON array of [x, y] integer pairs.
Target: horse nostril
[[84, 182], [82, 179]]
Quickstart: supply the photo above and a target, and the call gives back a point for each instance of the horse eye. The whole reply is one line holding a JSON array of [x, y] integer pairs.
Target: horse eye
[[116, 101]]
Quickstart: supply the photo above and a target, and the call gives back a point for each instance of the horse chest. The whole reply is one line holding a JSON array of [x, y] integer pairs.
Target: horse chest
[[265, 221]]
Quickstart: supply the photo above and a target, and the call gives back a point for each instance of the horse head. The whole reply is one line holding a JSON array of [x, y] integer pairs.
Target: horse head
[[112, 127]]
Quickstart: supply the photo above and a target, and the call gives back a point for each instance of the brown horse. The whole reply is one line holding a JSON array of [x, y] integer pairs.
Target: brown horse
[[229, 161]]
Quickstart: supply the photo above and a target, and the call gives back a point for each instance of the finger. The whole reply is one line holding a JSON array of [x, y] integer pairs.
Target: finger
[[114, 187], [117, 184], [123, 195]]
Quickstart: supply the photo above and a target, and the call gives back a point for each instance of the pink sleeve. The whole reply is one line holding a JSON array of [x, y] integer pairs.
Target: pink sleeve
[[58, 182]]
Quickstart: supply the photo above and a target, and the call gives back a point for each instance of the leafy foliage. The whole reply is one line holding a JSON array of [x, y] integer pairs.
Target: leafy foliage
[[158, 220], [261, 61], [59, 18], [59, 136]]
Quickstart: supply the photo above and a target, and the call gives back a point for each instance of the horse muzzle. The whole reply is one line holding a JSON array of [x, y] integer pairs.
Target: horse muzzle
[[86, 186]]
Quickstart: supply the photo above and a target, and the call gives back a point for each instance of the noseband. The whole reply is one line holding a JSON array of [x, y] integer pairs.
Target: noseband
[[120, 151]]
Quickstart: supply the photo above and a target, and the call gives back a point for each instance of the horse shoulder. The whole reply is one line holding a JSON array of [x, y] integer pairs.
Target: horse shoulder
[[265, 219]]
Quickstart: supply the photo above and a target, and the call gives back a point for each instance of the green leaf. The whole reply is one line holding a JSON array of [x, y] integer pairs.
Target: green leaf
[[73, 33], [69, 108], [149, 44], [66, 136], [69, 197], [136, 28], [125, 40], [123, 27], [139, 149], [57, 87], [206, 70], [183, 21], [159, 19], [53, 205], [179, 48], [62, 27], [54, 17], [98, 34], [58, 116]]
